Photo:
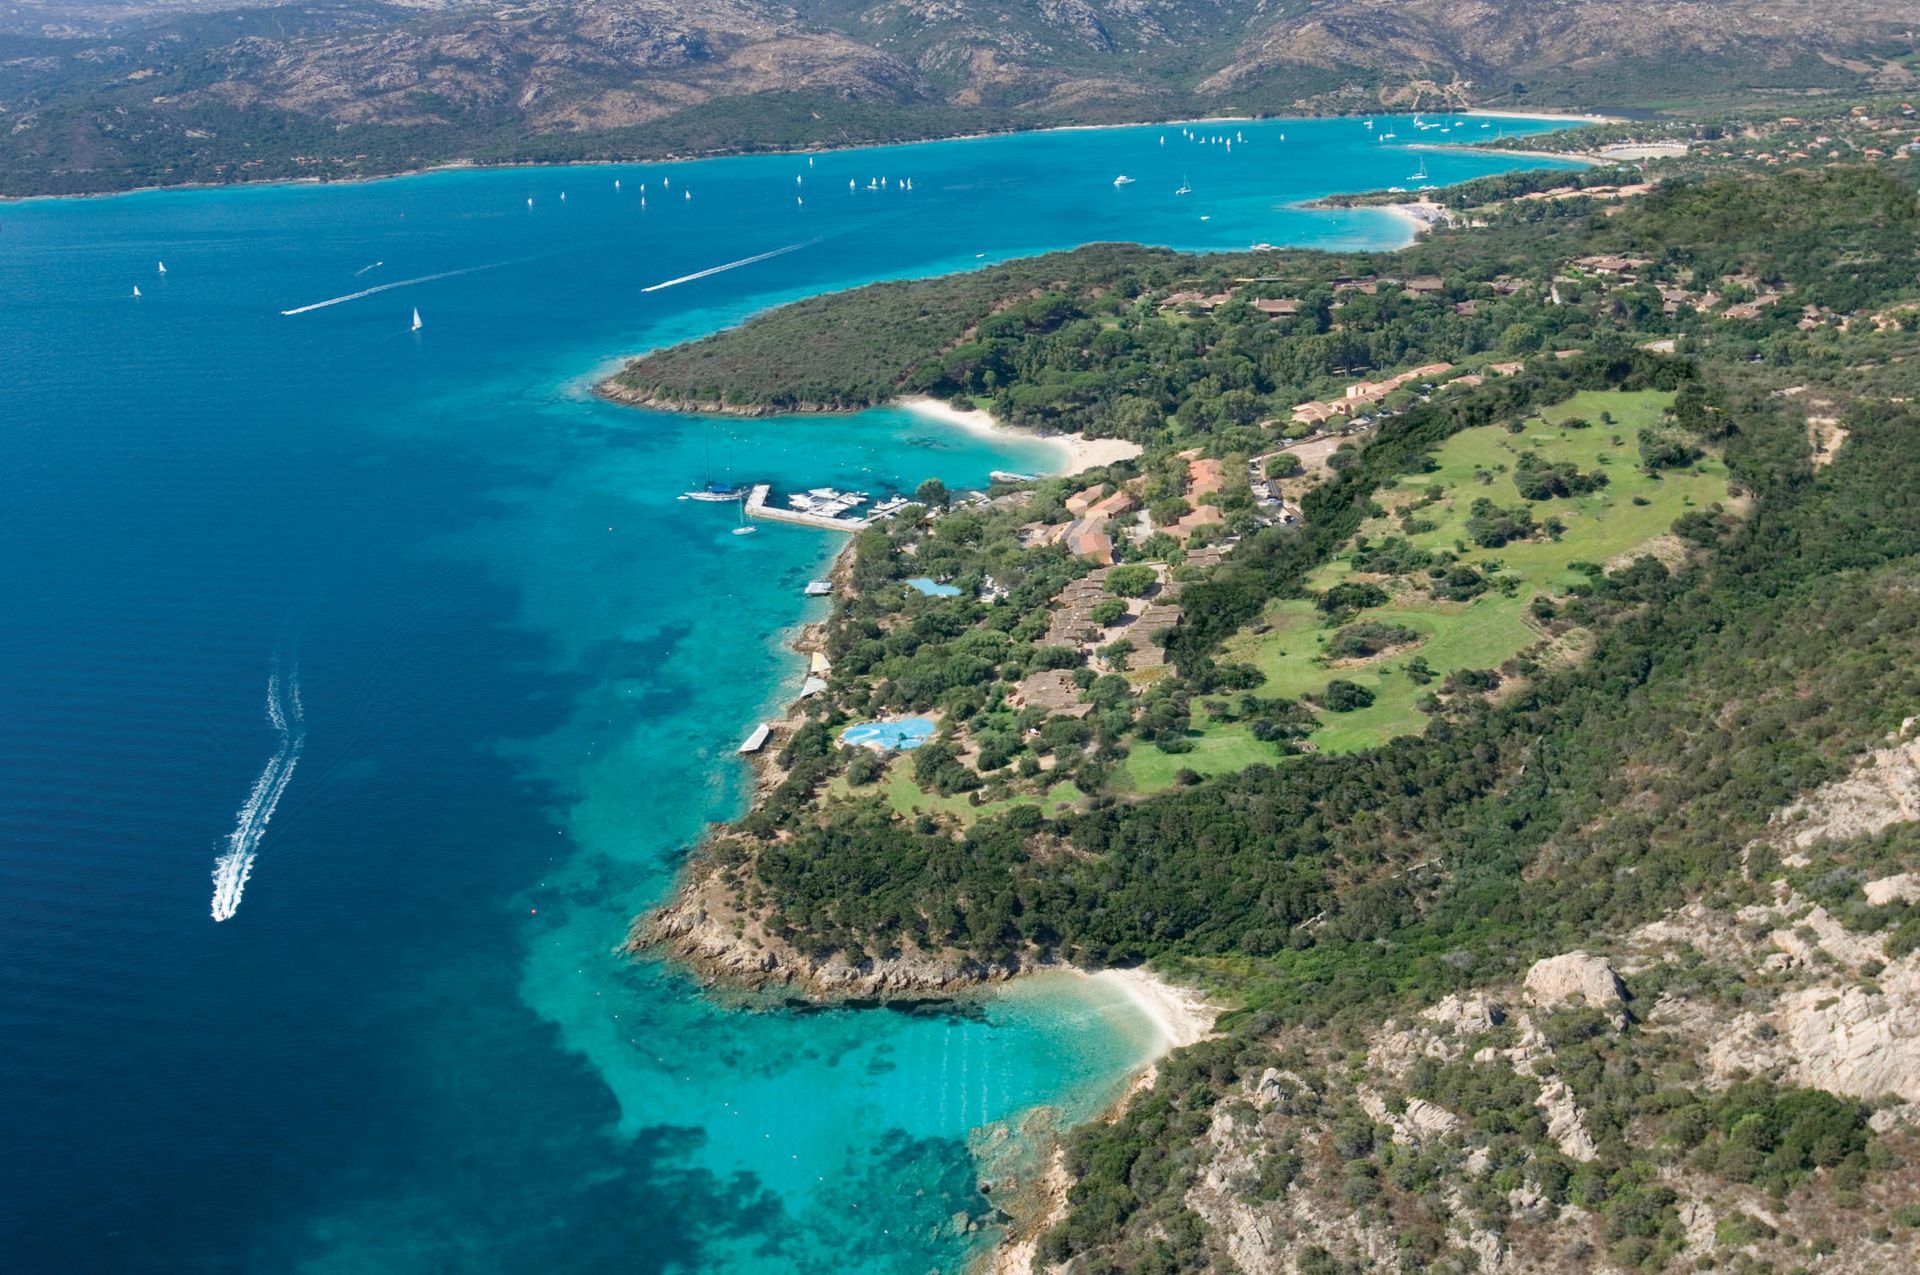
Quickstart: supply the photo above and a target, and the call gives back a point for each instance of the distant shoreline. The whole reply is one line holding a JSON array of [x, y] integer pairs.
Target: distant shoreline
[[470, 166]]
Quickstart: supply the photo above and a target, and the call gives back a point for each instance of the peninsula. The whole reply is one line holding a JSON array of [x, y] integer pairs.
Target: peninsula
[[1495, 652]]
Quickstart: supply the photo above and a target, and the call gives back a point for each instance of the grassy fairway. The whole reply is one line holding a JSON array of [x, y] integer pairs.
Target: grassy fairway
[[908, 798], [1483, 633]]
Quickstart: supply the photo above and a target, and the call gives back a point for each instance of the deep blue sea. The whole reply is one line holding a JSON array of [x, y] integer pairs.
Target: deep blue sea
[[510, 669]]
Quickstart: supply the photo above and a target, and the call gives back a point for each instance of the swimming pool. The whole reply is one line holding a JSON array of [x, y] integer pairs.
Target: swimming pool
[[895, 736], [933, 590]]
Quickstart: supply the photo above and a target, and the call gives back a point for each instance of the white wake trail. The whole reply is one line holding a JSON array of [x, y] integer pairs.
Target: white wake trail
[[232, 869], [731, 265], [388, 287]]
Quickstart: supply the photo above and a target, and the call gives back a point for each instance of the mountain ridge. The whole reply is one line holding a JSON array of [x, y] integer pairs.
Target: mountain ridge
[[159, 97]]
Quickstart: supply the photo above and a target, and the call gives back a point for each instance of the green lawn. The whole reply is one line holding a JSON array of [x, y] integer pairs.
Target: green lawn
[[1483, 633], [909, 798]]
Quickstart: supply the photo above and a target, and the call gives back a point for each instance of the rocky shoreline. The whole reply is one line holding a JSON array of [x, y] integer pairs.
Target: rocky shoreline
[[698, 930], [613, 391]]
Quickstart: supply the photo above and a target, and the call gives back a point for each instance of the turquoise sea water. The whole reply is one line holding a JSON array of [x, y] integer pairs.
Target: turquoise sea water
[[511, 669]]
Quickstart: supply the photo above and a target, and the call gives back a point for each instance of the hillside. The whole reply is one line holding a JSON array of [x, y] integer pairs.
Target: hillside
[[1519, 740], [124, 96]]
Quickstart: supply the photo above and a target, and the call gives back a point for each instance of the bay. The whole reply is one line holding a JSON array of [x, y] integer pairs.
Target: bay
[[521, 666]]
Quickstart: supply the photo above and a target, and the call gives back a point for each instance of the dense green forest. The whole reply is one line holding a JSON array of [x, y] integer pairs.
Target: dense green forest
[[1089, 340]]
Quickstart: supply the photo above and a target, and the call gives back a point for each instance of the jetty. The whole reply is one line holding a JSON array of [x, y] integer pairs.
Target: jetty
[[758, 740], [821, 511]]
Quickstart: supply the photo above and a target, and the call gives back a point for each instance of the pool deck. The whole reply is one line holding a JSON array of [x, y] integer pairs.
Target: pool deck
[[904, 735]]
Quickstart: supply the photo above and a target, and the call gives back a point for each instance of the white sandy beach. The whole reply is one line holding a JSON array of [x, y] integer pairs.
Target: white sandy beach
[[1418, 215], [1078, 453], [1180, 1015], [1493, 112]]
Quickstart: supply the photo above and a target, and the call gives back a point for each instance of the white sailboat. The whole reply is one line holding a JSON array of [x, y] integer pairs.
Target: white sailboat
[[1421, 174], [163, 267], [1185, 189], [417, 325], [136, 292]]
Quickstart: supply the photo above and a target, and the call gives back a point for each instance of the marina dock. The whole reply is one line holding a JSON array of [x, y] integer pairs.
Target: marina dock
[[757, 740], [757, 507]]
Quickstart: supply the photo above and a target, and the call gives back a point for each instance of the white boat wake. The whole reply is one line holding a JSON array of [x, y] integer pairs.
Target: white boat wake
[[388, 287], [288, 716], [731, 265]]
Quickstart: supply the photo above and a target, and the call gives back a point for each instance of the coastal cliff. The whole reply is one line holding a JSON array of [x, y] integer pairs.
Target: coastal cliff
[[702, 931]]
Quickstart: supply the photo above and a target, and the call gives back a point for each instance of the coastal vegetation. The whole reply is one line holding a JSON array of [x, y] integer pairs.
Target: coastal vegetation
[[1374, 711]]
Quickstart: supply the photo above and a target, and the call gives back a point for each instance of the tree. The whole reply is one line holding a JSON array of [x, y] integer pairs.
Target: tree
[[1131, 581], [1342, 696], [933, 494], [1521, 338]]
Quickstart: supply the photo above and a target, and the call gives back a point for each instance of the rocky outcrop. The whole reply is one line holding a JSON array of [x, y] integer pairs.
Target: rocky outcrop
[[1882, 790], [1836, 1033], [1902, 887], [712, 939], [1575, 978]]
